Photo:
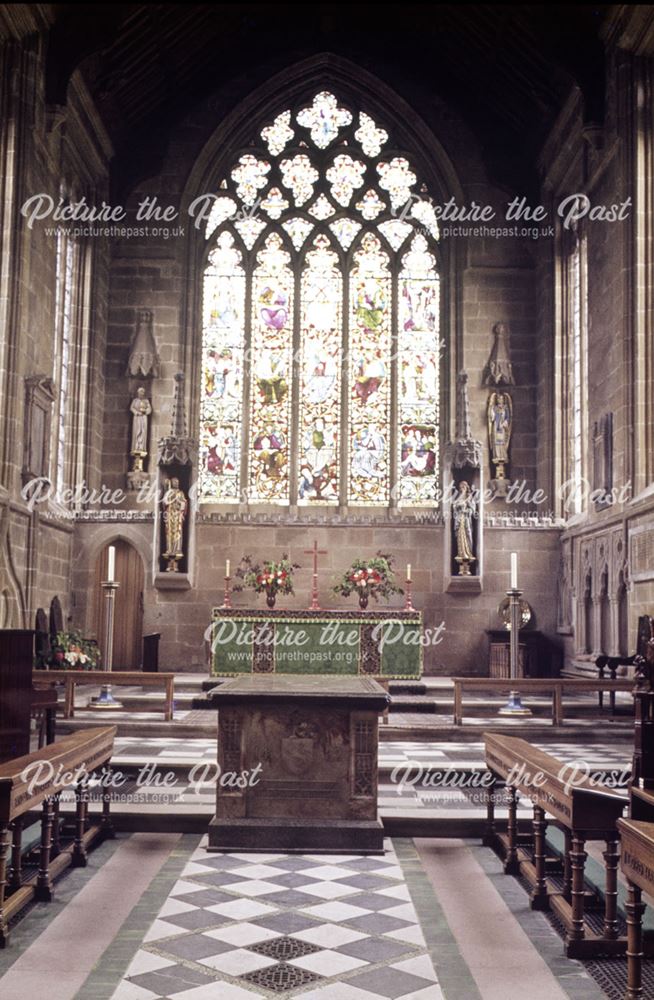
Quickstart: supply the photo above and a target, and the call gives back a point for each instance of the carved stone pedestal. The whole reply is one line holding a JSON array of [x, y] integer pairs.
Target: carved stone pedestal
[[304, 752]]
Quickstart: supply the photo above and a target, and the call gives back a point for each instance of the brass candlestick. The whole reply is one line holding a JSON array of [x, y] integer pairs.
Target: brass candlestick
[[408, 605], [514, 706], [227, 599], [106, 699]]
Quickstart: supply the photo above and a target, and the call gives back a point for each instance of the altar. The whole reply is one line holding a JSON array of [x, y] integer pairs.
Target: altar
[[383, 643], [298, 764]]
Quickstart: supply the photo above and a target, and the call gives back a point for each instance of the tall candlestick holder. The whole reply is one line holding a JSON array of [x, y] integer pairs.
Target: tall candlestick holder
[[106, 699], [227, 598], [408, 604], [514, 706]]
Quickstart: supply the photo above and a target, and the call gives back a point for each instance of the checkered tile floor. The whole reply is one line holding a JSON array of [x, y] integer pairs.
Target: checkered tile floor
[[238, 926], [405, 784], [613, 754]]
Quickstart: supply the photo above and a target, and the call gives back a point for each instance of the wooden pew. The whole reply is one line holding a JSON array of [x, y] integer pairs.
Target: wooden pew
[[556, 687], [131, 678], [584, 812], [69, 762], [637, 864]]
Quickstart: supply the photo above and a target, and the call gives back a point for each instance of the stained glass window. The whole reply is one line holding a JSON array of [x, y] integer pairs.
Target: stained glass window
[[321, 319]]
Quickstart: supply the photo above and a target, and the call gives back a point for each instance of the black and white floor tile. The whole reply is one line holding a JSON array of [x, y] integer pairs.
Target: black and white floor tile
[[323, 927]]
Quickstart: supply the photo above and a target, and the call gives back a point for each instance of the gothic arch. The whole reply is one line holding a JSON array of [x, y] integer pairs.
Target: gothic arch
[[235, 132]]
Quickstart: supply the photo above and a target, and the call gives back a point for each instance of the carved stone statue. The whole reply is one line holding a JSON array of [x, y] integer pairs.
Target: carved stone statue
[[500, 421], [175, 506], [464, 509], [140, 409]]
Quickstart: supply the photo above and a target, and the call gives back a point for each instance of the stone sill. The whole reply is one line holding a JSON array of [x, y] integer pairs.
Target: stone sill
[[464, 585], [172, 581]]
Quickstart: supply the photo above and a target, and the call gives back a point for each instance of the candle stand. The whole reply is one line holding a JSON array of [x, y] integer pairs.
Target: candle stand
[[106, 700], [514, 707]]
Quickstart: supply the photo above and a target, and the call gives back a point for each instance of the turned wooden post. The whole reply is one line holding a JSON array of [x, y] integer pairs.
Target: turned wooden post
[[489, 833], [43, 883], [106, 823], [4, 851], [611, 859], [635, 910], [567, 867], [511, 860], [539, 896], [15, 878], [78, 856], [56, 844], [577, 863]]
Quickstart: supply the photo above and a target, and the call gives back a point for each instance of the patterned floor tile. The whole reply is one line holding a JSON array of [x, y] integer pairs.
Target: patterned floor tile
[[171, 980], [336, 911], [193, 947], [144, 961], [329, 963], [377, 923], [243, 934], [240, 909], [238, 961], [330, 935], [389, 982]]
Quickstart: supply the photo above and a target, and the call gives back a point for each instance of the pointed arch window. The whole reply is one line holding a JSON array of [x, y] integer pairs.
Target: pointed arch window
[[321, 330]]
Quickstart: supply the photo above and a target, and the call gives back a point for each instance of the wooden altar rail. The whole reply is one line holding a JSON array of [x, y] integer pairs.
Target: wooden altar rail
[[556, 687], [131, 678], [69, 762], [637, 863], [584, 812]]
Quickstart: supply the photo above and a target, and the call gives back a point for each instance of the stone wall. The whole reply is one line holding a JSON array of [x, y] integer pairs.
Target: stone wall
[[42, 147], [181, 616]]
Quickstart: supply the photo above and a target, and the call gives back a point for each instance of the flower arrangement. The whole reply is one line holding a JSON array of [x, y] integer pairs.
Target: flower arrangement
[[71, 651], [270, 579], [369, 578]]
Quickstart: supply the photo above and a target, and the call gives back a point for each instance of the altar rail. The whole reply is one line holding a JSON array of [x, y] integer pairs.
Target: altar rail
[[91, 750], [555, 687], [131, 678], [583, 812]]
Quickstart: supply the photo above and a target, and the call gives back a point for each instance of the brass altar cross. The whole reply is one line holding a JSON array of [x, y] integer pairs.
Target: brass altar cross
[[315, 552]]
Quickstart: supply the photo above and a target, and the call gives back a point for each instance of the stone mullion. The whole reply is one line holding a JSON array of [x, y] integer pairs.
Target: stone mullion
[[294, 429], [244, 487], [393, 429], [344, 485]]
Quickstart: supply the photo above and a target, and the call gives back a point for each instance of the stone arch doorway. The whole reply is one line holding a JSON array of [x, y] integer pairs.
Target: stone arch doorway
[[128, 619]]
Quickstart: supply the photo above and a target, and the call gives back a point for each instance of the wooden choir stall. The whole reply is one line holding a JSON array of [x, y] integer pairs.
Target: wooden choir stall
[[583, 812], [637, 832]]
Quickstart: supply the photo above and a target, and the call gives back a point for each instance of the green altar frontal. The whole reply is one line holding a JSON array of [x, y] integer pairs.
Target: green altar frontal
[[378, 643]]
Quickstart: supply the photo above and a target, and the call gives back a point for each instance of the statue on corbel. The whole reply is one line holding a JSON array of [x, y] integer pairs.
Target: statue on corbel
[[500, 425], [463, 476], [499, 412], [143, 362]]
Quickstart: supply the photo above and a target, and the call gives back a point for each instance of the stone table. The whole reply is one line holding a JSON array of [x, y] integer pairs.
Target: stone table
[[305, 750]]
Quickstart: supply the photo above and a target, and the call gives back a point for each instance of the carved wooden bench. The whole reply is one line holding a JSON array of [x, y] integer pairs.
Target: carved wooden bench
[[584, 812], [23, 788]]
